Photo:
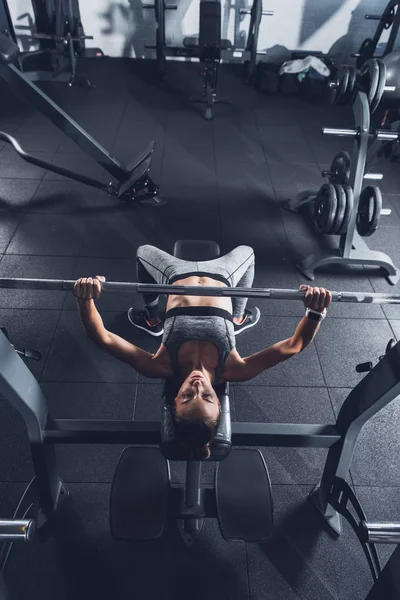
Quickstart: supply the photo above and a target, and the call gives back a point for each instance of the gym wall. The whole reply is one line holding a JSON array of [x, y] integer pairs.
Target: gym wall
[[123, 28]]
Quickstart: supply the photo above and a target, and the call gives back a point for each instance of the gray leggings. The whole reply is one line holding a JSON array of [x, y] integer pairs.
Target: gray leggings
[[236, 269]]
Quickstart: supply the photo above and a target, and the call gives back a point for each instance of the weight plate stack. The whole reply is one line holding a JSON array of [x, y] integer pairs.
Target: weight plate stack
[[369, 211], [340, 210], [365, 52], [380, 87], [340, 169], [348, 190], [325, 208], [351, 86], [369, 76], [341, 90]]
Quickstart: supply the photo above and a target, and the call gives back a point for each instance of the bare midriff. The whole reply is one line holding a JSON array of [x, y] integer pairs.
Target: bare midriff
[[179, 301]]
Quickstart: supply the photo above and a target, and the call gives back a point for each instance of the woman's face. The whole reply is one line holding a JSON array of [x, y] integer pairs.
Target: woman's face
[[197, 398]]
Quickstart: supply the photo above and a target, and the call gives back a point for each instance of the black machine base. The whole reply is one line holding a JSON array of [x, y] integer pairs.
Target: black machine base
[[244, 496], [139, 495]]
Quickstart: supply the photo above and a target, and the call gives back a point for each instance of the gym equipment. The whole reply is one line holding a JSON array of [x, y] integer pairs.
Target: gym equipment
[[339, 171], [141, 504], [369, 211], [228, 53], [26, 352], [325, 206], [192, 290], [61, 38], [133, 180], [373, 78], [6, 24], [389, 18]]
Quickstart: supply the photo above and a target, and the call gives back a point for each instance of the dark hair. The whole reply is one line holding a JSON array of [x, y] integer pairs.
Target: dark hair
[[195, 435]]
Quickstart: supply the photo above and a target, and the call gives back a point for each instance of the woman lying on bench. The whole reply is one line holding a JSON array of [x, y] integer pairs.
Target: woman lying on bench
[[198, 344]]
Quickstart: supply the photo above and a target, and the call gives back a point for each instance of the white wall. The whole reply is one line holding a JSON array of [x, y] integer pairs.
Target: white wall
[[123, 28]]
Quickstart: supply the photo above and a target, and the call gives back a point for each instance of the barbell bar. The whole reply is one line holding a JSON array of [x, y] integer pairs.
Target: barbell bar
[[191, 290], [12, 530], [380, 533]]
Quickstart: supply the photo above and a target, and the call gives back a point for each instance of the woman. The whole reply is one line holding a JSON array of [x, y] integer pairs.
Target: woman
[[198, 344]]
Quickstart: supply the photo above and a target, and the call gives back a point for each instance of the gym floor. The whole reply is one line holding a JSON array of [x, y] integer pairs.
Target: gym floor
[[225, 180]]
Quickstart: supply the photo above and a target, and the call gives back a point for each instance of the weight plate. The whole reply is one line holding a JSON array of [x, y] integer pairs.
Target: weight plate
[[351, 85], [340, 211], [325, 208], [340, 169], [348, 210], [369, 211], [344, 80], [381, 85], [366, 52], [370, 78]]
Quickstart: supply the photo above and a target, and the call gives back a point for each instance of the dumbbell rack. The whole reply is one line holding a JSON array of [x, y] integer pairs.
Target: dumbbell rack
[[352, 248]]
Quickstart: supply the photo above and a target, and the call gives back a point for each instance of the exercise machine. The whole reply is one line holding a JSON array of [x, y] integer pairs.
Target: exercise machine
[[390, 19], [133, 181], [208, 47], [341, 207], [142, 498], [61, 39]]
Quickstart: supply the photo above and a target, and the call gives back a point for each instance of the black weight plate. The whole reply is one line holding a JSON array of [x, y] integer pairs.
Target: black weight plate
[[370, 78], [349, 209], [340, 211], [325, 208], [343, 90], [340, 169], [369, 211], [366, 52], [381, 86], [351, 85]]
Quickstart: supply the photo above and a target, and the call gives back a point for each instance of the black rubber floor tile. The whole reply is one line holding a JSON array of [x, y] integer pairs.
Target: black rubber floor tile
[[73, 357], [374, 462], [81, 165], [63, 197], [342, 345], [31, 329], [286, 144], [15, 194], [112, 401], [113, 270], [239, 171], [294, 178], [265, 117], [282, 276], [390, 182], [82, 561], [38, 137], [387, 240], [148, 401], [10, 495], [190, 203], [8, 225], [303, 370], [57, 235], [326, 148], [278, 404], [301, 561], [41, 267], [78, 462], [13, 167]]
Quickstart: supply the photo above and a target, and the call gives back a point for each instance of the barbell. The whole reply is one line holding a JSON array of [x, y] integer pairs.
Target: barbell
[[191, 290]]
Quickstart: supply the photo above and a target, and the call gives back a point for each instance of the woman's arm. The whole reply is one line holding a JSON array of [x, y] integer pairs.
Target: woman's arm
[[87, 291], [317, 299]]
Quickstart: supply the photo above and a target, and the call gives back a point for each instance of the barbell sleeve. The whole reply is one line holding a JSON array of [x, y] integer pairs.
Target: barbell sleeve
[[182, 290], [12, 530], [380, 533], [373, 17], [340, 132]]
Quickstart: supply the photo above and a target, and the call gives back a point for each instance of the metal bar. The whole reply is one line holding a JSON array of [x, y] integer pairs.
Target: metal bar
[[191, 290], [83, 431], [12, 530], [29, 92], [284, 435], [380, 533], [340, 132]]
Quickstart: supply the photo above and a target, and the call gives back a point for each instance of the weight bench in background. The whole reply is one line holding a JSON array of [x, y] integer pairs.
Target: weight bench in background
[[143, 498]]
